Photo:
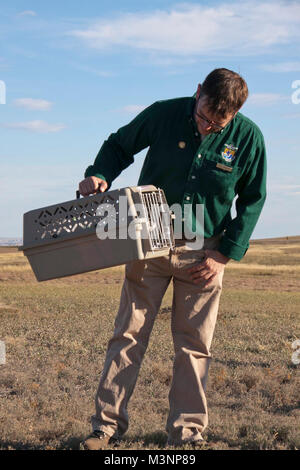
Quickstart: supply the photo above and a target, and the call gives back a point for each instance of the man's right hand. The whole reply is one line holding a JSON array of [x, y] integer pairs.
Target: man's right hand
[[91, 185]]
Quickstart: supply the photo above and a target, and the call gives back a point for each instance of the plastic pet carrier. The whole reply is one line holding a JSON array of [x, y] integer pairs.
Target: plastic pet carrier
[[99, 231]]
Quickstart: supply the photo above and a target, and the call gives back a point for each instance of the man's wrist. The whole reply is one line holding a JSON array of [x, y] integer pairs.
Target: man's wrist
[[223, 259]]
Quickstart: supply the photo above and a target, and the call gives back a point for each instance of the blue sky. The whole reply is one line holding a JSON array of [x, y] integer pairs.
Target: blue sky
[[76, 71]]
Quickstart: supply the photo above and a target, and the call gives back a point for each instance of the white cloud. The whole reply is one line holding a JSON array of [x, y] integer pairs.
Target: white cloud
[[282, 67], [33, 104], [35, 126], [166, 60], [189, 29], [266, 99], [28, 13]]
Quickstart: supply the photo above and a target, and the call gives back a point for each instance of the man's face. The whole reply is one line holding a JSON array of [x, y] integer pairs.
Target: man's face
[[206, 121]]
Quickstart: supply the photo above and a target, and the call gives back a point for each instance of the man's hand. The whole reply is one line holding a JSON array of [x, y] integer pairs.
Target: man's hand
[[205, 272], [91, 185]]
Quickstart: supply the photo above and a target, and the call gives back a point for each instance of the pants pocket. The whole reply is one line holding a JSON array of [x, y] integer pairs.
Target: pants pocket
[[189, 258]]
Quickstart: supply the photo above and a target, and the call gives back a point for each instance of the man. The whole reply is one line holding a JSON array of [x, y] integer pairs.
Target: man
[[201, 151]]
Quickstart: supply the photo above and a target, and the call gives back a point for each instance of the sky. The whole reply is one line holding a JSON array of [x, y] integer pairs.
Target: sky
[[73, 72]]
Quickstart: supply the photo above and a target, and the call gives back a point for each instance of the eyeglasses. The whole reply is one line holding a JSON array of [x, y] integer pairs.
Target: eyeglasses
[[213, 125]]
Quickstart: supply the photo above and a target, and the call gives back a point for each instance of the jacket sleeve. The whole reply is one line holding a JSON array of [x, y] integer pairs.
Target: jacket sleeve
[[118, 151], [249, 204]]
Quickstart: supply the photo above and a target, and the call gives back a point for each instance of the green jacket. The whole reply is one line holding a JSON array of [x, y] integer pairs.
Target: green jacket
[[190, 171]]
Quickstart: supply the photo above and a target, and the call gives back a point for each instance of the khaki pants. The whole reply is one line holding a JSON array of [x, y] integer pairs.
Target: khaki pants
[[194, 314]]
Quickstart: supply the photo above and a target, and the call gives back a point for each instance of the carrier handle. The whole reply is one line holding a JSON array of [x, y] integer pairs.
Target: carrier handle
[[78, 193]]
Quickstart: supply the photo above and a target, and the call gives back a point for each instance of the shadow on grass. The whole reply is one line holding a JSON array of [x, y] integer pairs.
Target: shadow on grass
[[69, 444], [150, 441], [233, 364], [157, 438], [12, 445]]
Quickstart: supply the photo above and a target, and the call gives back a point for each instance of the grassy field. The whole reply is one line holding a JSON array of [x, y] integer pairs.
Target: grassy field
[[56, 335]]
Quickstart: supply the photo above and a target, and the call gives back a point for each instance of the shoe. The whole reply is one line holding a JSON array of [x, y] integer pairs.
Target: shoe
[[98, 440]]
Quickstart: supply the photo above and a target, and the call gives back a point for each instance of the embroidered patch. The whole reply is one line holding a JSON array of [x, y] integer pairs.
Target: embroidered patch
[[229, 153]]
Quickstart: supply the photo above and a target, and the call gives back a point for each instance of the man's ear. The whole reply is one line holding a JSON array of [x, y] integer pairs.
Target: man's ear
[[198, 91]]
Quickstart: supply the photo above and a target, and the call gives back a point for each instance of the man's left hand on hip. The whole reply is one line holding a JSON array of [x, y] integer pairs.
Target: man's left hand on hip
[[205, 272]]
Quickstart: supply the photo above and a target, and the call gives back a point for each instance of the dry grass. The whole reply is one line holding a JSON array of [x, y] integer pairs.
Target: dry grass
[[56, 335]]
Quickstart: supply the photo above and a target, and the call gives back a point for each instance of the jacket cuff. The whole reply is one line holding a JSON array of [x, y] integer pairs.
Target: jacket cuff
[[90, 171], [232, 249]]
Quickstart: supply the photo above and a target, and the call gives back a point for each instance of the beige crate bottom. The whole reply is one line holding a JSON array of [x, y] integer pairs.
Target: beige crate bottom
[[83, 255]]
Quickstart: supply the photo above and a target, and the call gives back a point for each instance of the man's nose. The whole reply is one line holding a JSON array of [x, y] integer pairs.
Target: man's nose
[[206, 126]]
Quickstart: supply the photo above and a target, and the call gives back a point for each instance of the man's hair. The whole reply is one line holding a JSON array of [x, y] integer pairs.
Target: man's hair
[[225, 90]]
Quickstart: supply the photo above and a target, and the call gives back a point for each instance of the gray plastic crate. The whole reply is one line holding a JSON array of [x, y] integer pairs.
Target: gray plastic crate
[[63, 239]]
